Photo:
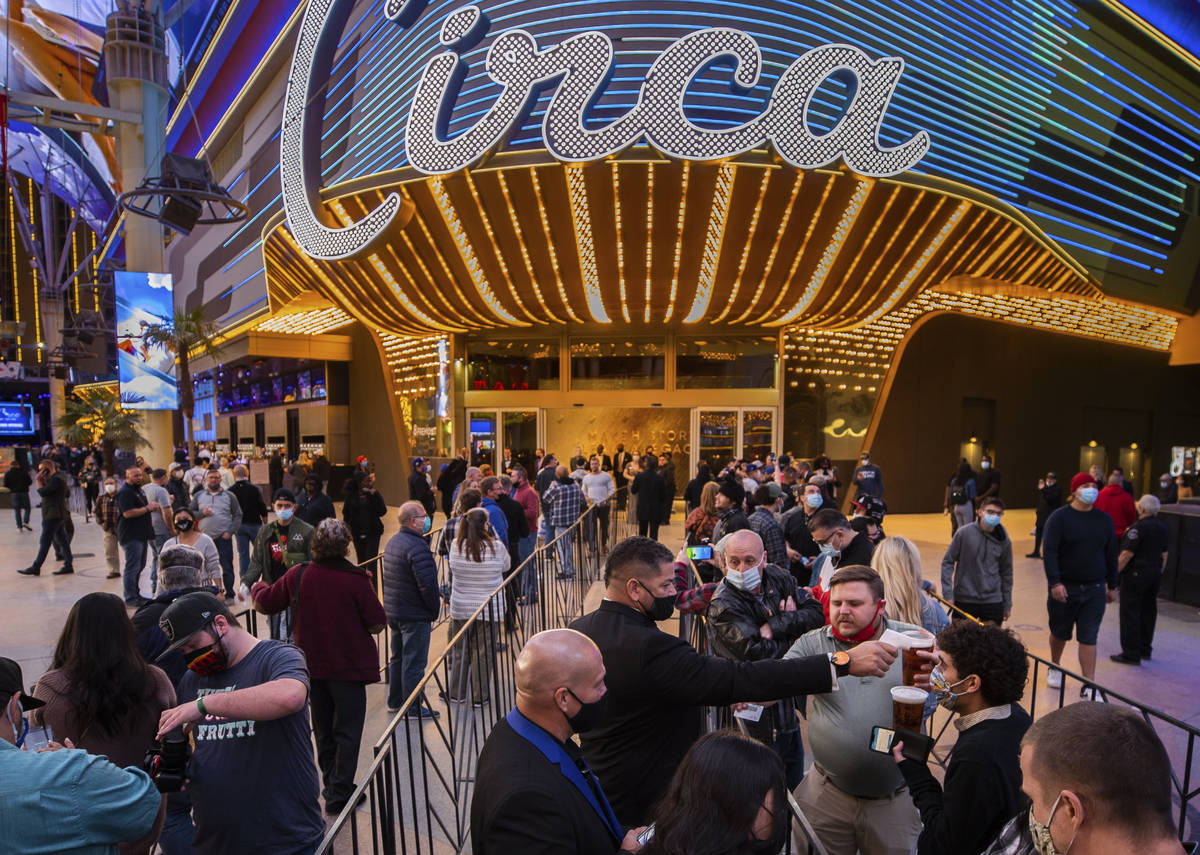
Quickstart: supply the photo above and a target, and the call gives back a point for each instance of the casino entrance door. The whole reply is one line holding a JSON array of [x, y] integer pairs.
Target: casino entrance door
[[490, 431], [722, 434]]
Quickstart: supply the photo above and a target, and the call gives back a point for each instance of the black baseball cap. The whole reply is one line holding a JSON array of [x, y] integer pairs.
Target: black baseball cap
[[283, 494], [12, 683], [188, 615]]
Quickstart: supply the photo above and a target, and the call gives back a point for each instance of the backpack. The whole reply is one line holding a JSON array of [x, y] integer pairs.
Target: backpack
[[958, 494]]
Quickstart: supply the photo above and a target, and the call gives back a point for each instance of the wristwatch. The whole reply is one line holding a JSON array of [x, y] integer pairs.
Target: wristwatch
[[840, 662]]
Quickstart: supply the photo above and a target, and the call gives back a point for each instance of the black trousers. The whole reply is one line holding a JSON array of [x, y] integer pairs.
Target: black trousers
[[1037, 537], [53, 533], [339, 708], [366, 547], [993, 612], [1139, 610], [648, 528]]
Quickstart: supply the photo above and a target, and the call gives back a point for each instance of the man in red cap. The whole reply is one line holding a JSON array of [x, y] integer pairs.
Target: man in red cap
[[1079, 551]]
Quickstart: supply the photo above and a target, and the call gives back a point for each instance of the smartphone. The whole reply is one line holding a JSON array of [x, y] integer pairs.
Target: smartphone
[[38, 737], [916, 745], [700, 553], [646, 836]]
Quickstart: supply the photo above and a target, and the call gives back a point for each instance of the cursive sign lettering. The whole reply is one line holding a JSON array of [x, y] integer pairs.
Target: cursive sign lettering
[[576, 72]]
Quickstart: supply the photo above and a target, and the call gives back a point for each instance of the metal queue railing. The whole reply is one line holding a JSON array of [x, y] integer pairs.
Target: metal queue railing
[[417, 790]]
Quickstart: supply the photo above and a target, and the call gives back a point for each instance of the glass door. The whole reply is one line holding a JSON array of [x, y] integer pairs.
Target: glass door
[[758, 433], [520, 438], [481, 437], [717, 438]]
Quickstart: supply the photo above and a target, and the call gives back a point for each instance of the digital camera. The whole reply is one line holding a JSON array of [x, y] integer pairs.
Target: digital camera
[[167, 759]]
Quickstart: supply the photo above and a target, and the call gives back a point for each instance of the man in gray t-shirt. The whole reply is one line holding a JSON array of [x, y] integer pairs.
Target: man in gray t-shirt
[[855, 799], [156, 491], [253, 783]]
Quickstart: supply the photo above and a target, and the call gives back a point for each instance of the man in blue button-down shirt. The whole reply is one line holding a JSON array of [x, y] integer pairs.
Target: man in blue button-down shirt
[[64, 800]]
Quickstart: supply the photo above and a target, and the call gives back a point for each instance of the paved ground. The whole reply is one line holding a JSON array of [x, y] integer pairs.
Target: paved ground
[[32, 611]]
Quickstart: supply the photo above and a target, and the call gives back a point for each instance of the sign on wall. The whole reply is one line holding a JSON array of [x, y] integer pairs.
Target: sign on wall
[[146, 371], [574, 73]]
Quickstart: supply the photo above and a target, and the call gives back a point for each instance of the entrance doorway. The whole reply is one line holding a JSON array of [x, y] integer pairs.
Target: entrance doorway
[[490, 432], [723, 434]]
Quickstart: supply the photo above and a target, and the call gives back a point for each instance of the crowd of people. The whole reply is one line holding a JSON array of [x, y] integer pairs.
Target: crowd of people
[[807, 614]]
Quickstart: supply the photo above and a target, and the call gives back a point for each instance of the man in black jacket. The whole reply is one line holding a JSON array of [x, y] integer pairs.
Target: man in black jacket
[[179, 572], [410, 598], [453, 475], [833, 534], [52, 486], [314, 505], [981, 676], [518, 528], [657, 683], [801, 547], [534, 793], [254, 514], [731, 495], [651, 491], [756, 613]]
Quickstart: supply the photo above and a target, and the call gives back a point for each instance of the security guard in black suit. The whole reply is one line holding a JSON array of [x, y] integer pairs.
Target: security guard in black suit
[[657, 683], [1143, 551]]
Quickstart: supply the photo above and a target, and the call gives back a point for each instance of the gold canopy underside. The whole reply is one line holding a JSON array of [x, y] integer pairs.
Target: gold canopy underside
[[658, 243]]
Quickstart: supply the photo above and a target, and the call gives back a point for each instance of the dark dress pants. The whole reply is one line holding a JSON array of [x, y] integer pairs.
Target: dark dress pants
[[339, 708], [1139, 610], [648, 528]]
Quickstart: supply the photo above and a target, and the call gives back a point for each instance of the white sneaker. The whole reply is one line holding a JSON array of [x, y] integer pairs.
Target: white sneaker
[[1053, 678], [1090, 693]]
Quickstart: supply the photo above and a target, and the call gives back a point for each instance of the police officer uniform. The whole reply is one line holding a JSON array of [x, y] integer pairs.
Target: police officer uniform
[[1147, 540]]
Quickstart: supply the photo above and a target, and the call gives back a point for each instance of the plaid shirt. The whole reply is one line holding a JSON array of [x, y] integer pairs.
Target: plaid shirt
[[1014, 838], [693, 601], [762, 523], [106, 512], [564, 503]]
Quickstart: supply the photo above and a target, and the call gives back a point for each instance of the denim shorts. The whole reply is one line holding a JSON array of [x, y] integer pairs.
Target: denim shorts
[[1083, 611]]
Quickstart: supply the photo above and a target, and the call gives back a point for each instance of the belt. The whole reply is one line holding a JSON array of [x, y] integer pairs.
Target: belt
[[900, 789]]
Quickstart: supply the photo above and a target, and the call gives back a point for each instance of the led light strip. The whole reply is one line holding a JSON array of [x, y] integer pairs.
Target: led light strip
[[649, 235], [797, 182], [712, 244], [683, 189], [487, 226], [315, 322], [584, 246], [558, 279], [616, 186], [750, 232], [519, 232]]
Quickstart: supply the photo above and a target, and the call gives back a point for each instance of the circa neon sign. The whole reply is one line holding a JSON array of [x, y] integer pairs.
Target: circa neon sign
[[576, 71]]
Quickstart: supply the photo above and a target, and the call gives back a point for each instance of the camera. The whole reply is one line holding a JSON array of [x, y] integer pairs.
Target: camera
[[166, 761]]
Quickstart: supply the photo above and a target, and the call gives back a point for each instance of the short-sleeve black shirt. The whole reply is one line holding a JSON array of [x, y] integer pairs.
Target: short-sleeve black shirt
[[1147, 540], [136, 528]]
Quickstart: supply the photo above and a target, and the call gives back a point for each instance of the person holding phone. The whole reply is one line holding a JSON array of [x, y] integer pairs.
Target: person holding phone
[[981, 676]]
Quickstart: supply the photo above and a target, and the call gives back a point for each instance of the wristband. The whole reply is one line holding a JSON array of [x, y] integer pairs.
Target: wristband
[[200, 706]]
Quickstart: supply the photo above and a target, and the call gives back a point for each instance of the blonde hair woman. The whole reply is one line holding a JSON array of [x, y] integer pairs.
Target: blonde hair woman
[[898, 563]]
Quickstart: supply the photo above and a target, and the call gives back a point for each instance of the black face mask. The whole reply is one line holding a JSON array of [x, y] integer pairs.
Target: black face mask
[[590, 715], [663, 607], [183, 524]]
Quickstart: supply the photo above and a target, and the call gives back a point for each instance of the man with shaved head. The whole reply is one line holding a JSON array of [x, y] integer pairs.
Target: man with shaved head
[[533, 791], [658, 683]]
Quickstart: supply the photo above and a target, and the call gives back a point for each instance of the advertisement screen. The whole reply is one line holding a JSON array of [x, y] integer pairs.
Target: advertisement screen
[[147, 372], [15, 418]]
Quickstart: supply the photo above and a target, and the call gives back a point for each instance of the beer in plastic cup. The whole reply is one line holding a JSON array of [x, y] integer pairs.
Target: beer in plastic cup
[[913, 663], [908, 707]]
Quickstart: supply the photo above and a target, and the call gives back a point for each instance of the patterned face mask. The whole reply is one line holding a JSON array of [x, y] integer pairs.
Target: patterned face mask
[[1043, 843]]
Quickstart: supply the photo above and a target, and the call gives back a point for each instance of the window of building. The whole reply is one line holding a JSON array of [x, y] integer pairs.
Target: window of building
[[515, 364], [726, 362], [601, 363]]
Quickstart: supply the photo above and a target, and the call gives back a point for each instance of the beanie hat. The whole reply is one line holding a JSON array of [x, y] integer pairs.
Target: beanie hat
[[1081, 479], [733, 491]]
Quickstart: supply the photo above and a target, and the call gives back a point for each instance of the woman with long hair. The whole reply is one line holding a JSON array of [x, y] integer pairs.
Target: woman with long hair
[[898, 563], [478, 563], [100, 693], [728, 797]]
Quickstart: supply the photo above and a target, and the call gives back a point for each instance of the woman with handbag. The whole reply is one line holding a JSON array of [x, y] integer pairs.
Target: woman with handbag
[[101, 694], [335, 616]]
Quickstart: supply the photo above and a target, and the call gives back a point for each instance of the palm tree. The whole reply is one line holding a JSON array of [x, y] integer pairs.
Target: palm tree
[[96, 415], [187, 332]]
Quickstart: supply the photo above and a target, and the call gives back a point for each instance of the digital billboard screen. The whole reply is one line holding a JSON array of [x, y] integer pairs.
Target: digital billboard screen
[[15, 419], [147, 372]]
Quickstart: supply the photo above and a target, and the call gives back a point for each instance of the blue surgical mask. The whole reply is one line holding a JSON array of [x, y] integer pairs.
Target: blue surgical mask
[[428, 527], [1088, 495], [745, 580], [813, 500], [829, 549], [985, 465], [285, 514], [991, 520]]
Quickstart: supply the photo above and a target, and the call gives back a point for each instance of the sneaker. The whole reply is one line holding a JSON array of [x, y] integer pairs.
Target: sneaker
[[483, 703], [1090, 693], [422, 713], [393, 710], [1054, 678]]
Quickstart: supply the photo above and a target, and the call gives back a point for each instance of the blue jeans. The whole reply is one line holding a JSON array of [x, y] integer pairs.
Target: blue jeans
[[178, 829], [21, 503], [245, 539], [563, 547], [410, 655], [225, 553], [135, 560]]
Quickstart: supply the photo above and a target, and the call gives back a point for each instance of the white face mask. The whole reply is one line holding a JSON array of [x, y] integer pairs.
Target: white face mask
[[110, 488]]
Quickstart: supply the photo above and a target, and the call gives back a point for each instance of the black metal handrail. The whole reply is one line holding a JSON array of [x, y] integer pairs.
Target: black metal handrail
[[419, 785]]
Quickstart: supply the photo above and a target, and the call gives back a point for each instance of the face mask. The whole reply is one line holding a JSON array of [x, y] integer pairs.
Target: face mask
[[813, 500], [590, 715], [985, 465], [177, 475], [285, 514], [110, 488], [992, 520], [1043, 843], [1165, 483], [184, 524], [208, 660], [663, 607], [829, 550], [745, 580], [943, 692], [363, 464], [1088, 495], [428, 527]]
